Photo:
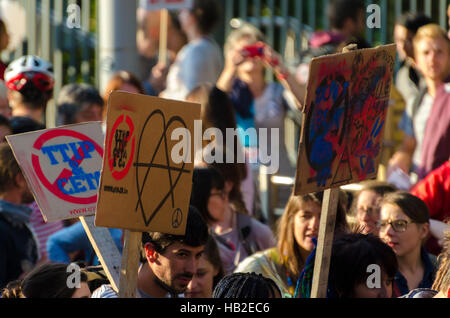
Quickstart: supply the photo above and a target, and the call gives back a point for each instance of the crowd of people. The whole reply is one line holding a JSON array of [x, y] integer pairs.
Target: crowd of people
[[390, 240]]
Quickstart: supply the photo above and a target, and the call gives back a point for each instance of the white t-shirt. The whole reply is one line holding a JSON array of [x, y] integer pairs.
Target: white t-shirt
[[270, 113], [199, 62], [420, 124]]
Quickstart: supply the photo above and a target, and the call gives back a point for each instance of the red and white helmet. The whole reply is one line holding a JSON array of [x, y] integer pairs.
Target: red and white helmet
[[29, 68]]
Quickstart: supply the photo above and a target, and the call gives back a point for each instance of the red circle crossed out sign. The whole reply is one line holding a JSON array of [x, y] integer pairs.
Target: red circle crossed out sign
[[58, 154], [119, 161]]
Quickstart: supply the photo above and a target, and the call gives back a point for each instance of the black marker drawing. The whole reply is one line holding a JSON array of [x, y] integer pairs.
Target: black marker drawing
[[150, 165]]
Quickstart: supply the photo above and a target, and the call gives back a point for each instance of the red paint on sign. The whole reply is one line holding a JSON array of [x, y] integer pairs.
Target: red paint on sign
[[119, 175]]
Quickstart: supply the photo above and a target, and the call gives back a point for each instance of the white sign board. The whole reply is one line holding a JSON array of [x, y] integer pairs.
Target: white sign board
[[151, 5], [62, 166]]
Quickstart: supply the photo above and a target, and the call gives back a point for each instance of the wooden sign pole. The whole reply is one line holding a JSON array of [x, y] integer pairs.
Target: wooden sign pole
[[326, 234], [105, 248], [324, 243], [163, 36], [130, 264]]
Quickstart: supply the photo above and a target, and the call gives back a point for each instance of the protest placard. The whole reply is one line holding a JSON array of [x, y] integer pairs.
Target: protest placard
[[142, 189], [62, 167], [346, 104]]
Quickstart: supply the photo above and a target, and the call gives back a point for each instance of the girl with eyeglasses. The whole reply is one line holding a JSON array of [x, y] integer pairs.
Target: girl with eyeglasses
[[237, 234], [404, 225]]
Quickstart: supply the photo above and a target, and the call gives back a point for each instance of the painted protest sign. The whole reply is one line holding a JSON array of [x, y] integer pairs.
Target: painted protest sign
[[150, 5], [346, 105], [142, 189], [62, 167]]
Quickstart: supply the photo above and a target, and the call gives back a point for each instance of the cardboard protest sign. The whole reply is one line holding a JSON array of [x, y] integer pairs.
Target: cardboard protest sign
[[62, 167], [345, 109], [150, 5], [144, 186]]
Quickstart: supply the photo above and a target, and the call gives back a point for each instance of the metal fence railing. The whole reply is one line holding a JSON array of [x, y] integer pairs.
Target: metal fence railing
[[281, 19], [287, 25], [71, 47]]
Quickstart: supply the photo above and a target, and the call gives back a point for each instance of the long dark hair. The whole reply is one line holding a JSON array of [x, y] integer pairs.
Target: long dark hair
[[218, 112], [212, 254], [205, 179]]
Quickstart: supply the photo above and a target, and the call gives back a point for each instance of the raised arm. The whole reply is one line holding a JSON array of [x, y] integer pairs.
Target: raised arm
[[274, 61], [232, 60]]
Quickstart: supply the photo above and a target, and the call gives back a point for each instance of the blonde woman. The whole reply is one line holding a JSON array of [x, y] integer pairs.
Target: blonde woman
[[258, 104]]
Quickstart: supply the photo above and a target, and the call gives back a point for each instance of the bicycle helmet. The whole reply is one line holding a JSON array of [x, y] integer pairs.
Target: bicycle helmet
[[29, 68]]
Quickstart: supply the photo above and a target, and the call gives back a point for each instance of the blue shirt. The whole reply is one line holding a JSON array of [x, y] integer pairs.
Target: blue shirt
[[400, 283], [74, 238], [406, 125]]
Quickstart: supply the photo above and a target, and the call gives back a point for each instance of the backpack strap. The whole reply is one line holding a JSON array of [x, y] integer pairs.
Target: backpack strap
[[245, 230]]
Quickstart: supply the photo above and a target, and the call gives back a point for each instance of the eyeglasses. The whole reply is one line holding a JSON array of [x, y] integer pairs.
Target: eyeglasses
[[397, 225], [221, 194]]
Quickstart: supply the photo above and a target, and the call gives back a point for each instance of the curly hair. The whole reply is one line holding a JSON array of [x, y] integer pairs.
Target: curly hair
[[442, 280], [246, 286]]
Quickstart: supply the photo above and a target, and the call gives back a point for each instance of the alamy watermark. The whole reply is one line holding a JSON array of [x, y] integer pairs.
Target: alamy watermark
[[214, 151], [73, 16], [374, 279], [374, 19], [74, 279]]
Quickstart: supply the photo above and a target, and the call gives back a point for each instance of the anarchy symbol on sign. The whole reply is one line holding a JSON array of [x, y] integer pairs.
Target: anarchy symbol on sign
[[151, 164]]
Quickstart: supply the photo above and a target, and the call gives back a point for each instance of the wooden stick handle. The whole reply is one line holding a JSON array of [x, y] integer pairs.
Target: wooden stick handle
[[130, 264], [163, 36], [324, 243], [105, 248]]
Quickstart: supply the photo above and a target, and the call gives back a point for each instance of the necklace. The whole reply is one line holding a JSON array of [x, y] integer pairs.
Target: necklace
[[289, 280]]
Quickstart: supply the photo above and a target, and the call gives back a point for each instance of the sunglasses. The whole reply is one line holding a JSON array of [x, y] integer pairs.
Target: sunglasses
[[397, 225]]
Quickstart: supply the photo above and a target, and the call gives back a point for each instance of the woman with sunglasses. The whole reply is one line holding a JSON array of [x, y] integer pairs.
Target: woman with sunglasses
[[404, 225], [237, 234]]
